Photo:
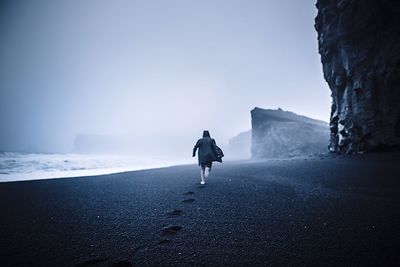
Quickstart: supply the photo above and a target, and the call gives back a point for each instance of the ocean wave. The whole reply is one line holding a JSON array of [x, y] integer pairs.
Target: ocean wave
[[31, 166]]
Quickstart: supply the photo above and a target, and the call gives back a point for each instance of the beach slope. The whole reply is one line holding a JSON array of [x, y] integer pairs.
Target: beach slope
[[326, 210]]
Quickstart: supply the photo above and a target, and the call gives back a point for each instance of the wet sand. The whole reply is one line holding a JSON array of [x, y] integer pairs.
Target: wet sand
[[325, 210]]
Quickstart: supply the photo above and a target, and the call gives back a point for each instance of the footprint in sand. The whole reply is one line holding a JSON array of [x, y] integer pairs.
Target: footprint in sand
[[188, 193], [171, 230], [189, 200], [164, 241], [101, 261], [175, 212], [91, 262], [139, 248], [122, 264]]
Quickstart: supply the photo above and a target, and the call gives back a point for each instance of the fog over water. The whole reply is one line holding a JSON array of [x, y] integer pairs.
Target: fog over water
[[155, 72]]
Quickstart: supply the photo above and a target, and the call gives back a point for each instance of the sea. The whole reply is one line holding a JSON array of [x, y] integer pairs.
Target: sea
[[16, 166]]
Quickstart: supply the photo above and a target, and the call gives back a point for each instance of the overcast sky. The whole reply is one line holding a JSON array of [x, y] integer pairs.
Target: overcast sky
[[153, 68]]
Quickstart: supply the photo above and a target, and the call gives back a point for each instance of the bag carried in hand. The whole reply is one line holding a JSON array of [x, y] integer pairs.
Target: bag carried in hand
[[219, 153]]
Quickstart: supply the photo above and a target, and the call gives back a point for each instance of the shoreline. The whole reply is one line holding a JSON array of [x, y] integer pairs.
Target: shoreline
[[16, 166], [79, 174], [23, 177]]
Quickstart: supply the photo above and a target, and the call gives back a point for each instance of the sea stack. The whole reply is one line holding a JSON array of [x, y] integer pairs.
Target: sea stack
[[359, 44], [279, 134]]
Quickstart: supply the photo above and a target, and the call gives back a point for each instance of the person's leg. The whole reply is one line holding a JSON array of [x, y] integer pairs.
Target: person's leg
[[202, 175], [207, 170]]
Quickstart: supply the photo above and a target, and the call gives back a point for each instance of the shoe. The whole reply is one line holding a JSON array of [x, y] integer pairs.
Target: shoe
[[202, 182]]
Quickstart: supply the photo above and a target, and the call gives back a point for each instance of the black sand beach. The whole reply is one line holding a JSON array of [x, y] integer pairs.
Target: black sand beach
[[320, 211]]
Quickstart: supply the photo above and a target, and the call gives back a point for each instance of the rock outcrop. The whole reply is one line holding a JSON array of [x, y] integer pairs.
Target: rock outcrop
[[359, 43], [278, 133]]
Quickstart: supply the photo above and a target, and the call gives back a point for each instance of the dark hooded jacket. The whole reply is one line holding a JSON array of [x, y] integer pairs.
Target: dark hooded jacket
[[207, 150]]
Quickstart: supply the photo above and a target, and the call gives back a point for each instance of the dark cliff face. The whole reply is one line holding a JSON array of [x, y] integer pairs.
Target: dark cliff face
[[278, 134], [359, 43]]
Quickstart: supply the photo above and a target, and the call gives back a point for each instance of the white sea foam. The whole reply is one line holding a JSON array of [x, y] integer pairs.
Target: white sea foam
[[27, 166]]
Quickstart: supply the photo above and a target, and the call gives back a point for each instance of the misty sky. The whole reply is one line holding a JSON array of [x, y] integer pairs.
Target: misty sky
[[153, 68]]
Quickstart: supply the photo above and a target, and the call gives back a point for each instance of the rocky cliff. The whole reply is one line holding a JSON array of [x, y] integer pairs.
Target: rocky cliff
[[359, 43], [278, 133]]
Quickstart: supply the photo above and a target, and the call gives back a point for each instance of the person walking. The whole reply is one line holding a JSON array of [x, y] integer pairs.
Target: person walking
[[208, 152]]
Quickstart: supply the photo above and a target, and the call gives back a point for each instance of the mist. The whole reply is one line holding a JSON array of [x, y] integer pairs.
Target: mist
[[156, 73]]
